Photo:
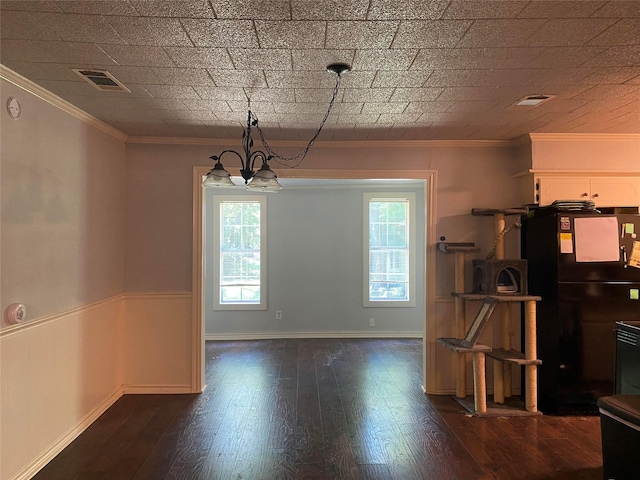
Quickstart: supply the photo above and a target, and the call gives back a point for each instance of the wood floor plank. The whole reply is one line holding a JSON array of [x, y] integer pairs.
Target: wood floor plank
[[318, 409]]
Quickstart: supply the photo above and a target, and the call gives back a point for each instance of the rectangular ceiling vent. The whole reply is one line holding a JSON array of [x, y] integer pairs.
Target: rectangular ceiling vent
[[531, 101], [102, 80]]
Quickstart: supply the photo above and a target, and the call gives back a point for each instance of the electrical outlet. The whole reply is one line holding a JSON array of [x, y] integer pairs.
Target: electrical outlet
[[372, 322], [278, 314]]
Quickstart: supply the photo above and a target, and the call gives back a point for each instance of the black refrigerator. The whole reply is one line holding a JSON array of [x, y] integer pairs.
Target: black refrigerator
[[586, 267]]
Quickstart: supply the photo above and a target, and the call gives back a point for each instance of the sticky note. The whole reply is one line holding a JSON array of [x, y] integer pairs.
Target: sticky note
[[634, 294], [566, 243], [629, 228]]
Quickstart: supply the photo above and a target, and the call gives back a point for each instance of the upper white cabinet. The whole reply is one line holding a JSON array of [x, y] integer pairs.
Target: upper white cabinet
[[603, 191]]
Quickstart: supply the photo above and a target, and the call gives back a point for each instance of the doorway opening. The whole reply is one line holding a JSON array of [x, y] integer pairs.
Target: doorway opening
[[424, 178]]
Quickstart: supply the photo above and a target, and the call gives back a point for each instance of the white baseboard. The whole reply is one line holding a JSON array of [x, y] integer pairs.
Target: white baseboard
[[304, 335], [65, 440], [155, 389]]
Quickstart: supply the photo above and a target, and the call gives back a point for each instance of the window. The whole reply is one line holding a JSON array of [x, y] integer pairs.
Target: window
[[240, 250], [389, 249]]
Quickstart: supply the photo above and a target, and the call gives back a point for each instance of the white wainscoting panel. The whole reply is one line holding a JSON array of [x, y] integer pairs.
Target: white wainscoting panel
[[157, 343], [58, 374]]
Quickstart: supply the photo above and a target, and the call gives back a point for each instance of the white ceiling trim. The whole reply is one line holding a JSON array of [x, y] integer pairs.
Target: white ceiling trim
[[328, 144]]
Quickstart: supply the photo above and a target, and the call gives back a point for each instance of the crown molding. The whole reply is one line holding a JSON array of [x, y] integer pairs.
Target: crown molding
[[44, 94], [327, 143], [583, 137]]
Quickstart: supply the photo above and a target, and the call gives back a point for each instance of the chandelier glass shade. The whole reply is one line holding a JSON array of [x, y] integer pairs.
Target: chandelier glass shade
[[264, 179]]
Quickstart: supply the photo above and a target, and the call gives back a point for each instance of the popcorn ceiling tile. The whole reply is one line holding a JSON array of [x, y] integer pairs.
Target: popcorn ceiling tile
[[472, 106], [619, 9], [407, 9], [195, 114], [171, 91], [22, 25], [53, 52], [500, 33], [97, 7], [472, 9], [290, 34], [183, 76], [318, 107], [79, 28], [428, 107], [384, 107], [411, 79], [315, 95], [329, 9], [256, 107], [275, 95], [610, 92], [430, 34], [415, 94], [200, 57], [314, 59], [359, 118], [625, 32], [261, 59], [252, 9], [388, 59], [367, 95], [479, 78], [129, 75], [517, 57], [221, 33], [238, 78], [560, 76], [304, 79], [348, 34], [171, 8], [618, 56], [443, 58], [565, 33], [150, 31], [484, 93], [147, 56], [206, 104], [33, 6], [221, 93], [565, 57], [561, 9], [396, 118]]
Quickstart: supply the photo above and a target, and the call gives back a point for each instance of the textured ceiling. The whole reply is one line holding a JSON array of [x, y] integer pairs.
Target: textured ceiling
[[422, 69]]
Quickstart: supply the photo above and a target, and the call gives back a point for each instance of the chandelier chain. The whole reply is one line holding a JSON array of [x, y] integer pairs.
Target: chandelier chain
[[287, 161]]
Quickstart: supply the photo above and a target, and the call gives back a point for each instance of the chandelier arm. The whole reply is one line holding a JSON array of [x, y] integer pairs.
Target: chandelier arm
[[217, 158], [300, 156]]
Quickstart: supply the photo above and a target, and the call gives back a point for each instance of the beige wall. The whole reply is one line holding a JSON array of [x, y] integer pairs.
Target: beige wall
[[62, 209], [62, 256], [159, 199]]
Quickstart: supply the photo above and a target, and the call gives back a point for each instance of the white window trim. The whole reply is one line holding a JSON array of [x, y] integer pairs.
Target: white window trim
[[217, 201], [381, 196]]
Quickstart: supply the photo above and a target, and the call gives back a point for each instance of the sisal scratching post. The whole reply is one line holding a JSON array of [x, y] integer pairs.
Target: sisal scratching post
[[506, 344], [530, 352], [461, 329], [500, 226], [479, 383]]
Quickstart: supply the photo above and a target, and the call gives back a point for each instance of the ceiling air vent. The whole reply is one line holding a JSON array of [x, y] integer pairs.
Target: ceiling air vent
[[102, 80], [533, 100]]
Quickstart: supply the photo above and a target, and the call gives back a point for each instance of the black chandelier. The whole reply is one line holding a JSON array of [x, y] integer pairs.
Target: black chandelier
[[265, 179]]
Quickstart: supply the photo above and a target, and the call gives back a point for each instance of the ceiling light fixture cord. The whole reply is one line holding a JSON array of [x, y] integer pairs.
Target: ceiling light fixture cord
[[300, 156]]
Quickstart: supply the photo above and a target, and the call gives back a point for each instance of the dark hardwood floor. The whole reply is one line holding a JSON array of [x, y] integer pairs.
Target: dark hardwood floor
[[322, 409]]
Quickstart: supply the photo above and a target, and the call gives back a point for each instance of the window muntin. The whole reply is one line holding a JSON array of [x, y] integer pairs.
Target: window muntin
[[389, 249], [240, 249]]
